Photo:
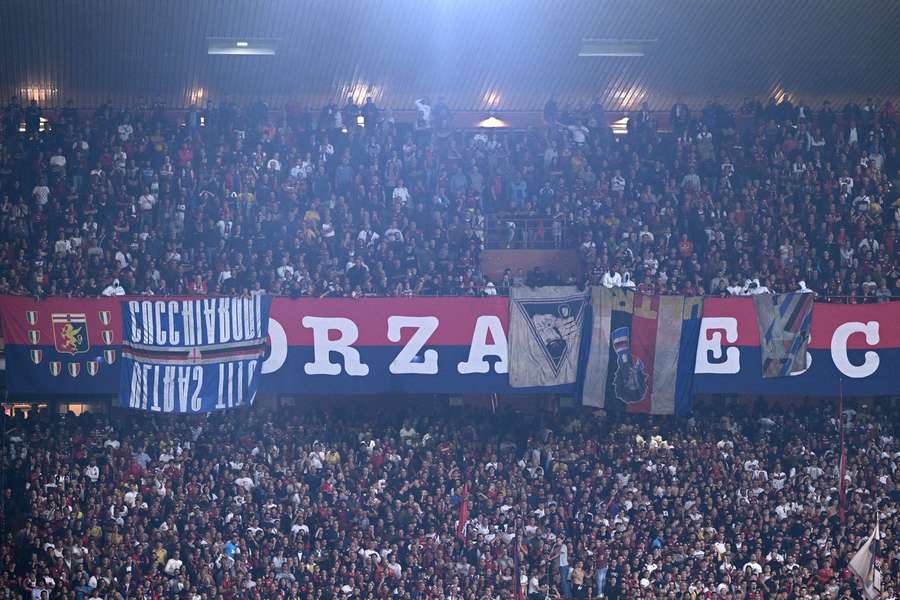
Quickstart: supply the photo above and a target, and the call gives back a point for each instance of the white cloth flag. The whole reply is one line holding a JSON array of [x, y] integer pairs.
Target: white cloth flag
[[545, 335], [864, 565]]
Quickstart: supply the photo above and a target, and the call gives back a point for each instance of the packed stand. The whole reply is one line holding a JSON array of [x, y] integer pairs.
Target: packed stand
[[767, 198], [355, 503], [347, 202]]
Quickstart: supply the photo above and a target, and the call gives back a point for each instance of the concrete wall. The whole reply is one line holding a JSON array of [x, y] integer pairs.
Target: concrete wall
[[562, 262]]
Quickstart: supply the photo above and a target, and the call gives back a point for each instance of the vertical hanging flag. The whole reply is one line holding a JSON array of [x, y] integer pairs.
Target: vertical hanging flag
[[842, 468], [784, 322], [463, 513], [518, 590], [642, 351], [545, 328], [191, 356]]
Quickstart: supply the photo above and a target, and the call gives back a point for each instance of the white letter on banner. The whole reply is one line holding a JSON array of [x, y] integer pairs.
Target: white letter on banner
[[230, 388], [224, 321], [189, 323], [196, 403], [209, 317], [155, 406], [278, 348], [239, 366], [480, 347], [135, 400], [168, 388], [133, 308], [250, 318], [403, 363], [147, 325], [220, 399], [251, 369], [711, 329], [839, 349], [158, 309], [237, 318], [184, 384], [174, 336], [145, 379], [323, 347]]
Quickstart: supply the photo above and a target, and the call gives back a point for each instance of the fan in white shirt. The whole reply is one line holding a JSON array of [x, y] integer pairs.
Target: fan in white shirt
[[392, 234], [114, 289], [401, 193], [285, 272], [58, 161], [125, 131], [368, 236], [611, 279], [394, 568], [579, 133], [62, 246], [92, 472], [424, 111], [146, 201], [172, 566], [245, 483], [41, 194]]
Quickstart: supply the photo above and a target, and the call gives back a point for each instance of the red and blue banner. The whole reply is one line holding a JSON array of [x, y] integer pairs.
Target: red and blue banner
[[316, 346], [641, 356], [389, 345], [63, 346], [857, 345]]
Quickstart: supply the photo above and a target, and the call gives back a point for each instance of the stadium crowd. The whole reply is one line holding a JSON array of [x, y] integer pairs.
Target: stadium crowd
[[357, 502], [346, 201]]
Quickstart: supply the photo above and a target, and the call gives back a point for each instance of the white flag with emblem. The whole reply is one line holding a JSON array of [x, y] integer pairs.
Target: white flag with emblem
[[865, 565], [545, 328]]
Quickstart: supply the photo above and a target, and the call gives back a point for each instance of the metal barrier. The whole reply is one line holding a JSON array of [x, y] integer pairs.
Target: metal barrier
[[533, 233]]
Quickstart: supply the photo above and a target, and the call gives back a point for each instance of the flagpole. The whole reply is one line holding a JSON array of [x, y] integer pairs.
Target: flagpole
[[842, 470], [518, 592]]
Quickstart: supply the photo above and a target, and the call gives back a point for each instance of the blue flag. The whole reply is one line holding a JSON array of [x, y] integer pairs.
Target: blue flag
[[192, 356]]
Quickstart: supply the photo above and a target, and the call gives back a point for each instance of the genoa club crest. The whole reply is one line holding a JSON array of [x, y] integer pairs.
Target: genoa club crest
[[74, 368], [70, 334], [37, 355], [55, 368], [34, 336], [93, 367], [109, 356]]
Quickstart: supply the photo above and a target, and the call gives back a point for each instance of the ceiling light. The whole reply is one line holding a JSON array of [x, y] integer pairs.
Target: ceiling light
[[492, 122], [615, 48], [241, 46]]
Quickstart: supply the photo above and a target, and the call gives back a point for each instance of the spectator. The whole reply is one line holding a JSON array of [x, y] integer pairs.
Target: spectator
[[363, 501], [763, 199]]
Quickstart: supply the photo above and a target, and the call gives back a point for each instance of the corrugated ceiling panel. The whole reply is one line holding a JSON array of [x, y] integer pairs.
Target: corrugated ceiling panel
[[505, 54]]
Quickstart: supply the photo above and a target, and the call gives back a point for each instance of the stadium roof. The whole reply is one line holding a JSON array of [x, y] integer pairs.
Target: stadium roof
[[480, 55]]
